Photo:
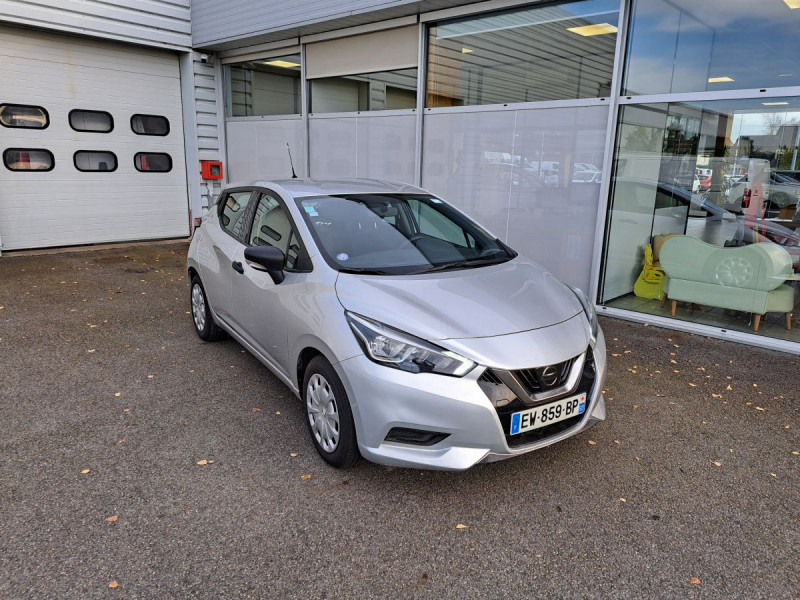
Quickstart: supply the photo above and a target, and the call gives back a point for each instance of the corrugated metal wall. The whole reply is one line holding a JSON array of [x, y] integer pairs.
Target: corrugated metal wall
[[208, 119], [162, 23], [241, 18]]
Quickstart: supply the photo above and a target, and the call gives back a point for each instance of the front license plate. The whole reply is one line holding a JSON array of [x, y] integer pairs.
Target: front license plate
[[542, 416]]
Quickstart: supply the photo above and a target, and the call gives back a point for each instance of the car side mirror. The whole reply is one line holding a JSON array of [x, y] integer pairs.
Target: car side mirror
[[268, 259]]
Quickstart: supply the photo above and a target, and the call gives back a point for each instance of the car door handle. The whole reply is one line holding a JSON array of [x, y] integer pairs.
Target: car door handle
[[237, 266]]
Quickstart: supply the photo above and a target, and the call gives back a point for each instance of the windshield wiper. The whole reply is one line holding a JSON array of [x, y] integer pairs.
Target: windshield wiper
[[358, 271], [466, 263]]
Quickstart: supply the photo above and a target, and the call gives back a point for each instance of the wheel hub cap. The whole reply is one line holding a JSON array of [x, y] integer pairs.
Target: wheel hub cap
[[323, 413], [198, 307]]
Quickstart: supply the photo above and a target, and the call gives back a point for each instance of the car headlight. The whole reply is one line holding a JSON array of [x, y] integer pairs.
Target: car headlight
[[588, 308], [393, 348]]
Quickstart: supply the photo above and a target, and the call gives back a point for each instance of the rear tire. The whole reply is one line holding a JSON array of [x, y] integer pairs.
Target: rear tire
[[204, 325], [328, 415]]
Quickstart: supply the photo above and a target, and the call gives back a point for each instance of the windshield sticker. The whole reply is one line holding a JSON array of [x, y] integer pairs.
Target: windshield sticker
[[311, 211], [342, 256]]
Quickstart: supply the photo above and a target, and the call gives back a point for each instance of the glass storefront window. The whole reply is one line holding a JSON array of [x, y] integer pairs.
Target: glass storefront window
[[270, 86], [714, 45], [704, 214], [555, 52], [388, 90]]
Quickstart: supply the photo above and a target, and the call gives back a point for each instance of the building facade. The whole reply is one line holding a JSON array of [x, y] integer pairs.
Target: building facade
[[585, 134]]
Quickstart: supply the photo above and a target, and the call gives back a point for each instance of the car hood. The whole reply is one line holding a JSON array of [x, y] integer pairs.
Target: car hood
[[488, 301]]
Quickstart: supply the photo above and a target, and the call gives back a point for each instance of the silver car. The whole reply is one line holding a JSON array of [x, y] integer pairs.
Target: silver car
[[413, 336]]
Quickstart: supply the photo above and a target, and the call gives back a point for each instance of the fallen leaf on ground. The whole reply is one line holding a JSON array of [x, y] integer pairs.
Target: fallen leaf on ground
[[202, 463], [256, 409], [306, 476], [729, 388], [716, 395], [622, 500], [773, 475], [117, 394], [112, 519], [277, 412], [796, 453], [592, 443], [616, 441], [113, 584], [292, 454], [761, 409], [462, 526], [694, 581], [716, 463], [150, 376], [692, 385], [90, 350], [85, 471]]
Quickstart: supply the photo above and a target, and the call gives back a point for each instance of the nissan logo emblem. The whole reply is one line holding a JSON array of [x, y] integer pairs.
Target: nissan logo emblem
[[549, 376]]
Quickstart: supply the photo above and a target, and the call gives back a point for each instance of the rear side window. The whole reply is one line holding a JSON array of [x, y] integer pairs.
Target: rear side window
[[153, 162], [231, 211], [95, 160], [23, 115], [149, 125], [95, 121], [28, 159]]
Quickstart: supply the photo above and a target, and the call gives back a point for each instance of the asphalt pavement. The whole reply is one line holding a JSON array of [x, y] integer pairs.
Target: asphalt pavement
[[137, 461]]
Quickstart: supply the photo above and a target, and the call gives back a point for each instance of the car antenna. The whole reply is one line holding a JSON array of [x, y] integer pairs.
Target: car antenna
[[289, 150]]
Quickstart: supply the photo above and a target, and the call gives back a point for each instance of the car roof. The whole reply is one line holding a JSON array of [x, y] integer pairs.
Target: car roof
[[300, 188]]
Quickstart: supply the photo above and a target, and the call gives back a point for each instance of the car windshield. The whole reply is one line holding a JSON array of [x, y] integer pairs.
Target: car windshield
[[398, 234]]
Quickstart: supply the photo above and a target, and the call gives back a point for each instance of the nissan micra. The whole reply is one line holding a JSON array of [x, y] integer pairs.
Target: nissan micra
[[412, 335]]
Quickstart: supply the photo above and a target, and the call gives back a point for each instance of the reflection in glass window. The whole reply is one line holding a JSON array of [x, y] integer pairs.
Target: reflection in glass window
[[149, 125], [97, 121], [231, 211], [28, 159], [263, 87], [388, 90], [155, 162], [95, 160], [552, 52], [19, 115], [703, 213], [690, 46]]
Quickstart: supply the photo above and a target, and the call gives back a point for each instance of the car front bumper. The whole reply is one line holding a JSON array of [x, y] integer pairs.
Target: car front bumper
[[384, 399]]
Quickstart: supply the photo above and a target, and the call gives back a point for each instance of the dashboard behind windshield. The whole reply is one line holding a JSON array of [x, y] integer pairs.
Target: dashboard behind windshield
[[397, 234]]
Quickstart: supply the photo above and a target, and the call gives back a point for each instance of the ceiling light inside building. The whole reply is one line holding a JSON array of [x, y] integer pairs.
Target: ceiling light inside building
[[285, 64], [719, 79], [775, 103], [792, 3], [599, 29]]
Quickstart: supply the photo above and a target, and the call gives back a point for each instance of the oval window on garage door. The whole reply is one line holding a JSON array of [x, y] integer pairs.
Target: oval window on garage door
[[149, 125], [95, 160], [154, 162], [95, 121], [21, 115], [28, 159]]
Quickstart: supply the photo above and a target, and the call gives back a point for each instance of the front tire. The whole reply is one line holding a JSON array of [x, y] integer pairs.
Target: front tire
[[204, 325], [328, 415]]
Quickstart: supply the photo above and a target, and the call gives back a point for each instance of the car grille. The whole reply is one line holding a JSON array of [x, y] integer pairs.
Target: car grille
[[490, 380], [540, 380]]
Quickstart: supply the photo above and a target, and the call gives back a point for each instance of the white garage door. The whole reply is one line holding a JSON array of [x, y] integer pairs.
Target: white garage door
[[107, 118]]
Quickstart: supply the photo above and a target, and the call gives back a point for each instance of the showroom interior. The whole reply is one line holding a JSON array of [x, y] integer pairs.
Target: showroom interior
[[643, 150]]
